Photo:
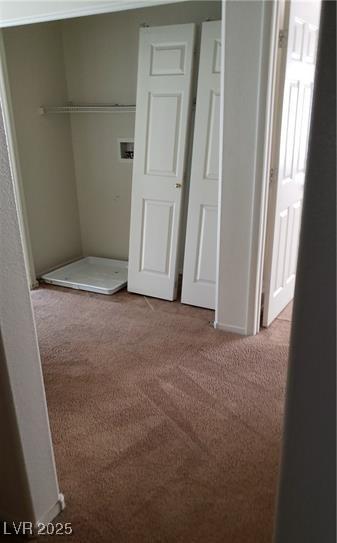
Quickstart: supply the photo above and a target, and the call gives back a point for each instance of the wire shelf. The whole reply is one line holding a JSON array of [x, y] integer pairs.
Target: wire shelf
[[87, 108]]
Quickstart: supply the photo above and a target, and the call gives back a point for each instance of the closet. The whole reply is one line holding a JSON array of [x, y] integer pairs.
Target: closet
[[79, 111]]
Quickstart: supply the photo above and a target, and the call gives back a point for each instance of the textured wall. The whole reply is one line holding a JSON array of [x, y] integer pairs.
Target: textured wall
[[28, 484], [37, 76]]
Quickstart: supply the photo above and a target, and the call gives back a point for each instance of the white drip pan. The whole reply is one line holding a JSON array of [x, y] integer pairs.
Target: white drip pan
[[102, 275]]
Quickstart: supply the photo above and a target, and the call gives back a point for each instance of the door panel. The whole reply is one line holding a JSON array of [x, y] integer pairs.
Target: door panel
[[162, 118], [199, 273], [156, 247], [212, 156], [289, 159], [205, 271], [163, 145]]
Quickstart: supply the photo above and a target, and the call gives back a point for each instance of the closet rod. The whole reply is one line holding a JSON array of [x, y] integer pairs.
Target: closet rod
[[103, 108]]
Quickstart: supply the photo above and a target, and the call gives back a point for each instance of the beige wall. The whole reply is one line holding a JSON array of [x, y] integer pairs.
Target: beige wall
[[101, 64], [37, 76]]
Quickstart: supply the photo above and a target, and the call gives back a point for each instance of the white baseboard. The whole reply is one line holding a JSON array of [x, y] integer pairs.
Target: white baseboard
[[230, 328], [53, 512]]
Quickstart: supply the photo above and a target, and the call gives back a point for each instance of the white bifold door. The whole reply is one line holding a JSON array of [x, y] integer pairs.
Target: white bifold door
[[291, 143], [163, 110], [199, 273]]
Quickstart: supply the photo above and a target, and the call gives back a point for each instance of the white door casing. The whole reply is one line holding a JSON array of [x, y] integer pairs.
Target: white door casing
[[199, 273], [289, 159], [162, 118]]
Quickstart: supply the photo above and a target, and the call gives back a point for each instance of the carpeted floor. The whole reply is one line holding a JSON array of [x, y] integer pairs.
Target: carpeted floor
[[165, 430]]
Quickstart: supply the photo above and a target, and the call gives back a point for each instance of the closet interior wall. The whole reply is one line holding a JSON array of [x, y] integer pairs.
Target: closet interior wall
[[36, 72], [77, 190]]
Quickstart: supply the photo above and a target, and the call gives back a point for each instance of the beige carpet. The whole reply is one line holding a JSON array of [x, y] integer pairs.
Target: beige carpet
[[165, 430]]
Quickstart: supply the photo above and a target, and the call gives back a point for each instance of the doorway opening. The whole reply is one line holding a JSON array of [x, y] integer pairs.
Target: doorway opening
[[294, 67]]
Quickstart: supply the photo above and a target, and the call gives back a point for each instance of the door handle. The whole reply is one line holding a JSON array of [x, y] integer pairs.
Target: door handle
[[178, 185]]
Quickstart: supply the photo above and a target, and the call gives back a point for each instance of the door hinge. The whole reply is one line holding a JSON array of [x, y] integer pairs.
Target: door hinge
[[282, 38], [272, 174]]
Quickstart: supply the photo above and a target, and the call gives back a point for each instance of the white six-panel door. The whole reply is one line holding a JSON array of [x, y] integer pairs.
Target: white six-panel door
[[201, 236], [162, 118], [286, 191]]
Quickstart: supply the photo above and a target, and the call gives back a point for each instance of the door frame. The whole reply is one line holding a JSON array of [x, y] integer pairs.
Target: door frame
[[277, 66], [266, 211], [273, 144], [246, 320]]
